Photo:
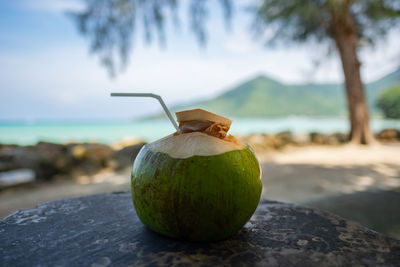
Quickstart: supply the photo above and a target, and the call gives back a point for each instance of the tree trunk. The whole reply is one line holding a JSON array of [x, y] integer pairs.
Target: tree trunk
[[346, 35]]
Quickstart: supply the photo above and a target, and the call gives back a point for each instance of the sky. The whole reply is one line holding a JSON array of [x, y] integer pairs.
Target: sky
[[48, 73]]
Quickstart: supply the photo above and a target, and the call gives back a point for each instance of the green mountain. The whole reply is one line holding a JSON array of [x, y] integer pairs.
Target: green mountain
[[265, 97]]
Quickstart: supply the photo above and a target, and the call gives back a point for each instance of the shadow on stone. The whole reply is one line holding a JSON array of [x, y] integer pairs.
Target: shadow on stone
[[369, 195], [378, 210]]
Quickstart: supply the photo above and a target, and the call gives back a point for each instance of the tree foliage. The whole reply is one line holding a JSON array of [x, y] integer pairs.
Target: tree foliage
[[389, 102], [313, 20], [111, 25]]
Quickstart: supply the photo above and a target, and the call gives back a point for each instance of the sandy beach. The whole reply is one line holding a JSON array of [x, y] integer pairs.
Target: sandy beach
[[318, 176], [301, 175]]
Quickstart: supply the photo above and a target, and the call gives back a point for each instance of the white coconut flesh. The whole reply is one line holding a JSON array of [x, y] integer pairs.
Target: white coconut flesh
[[194, 144]]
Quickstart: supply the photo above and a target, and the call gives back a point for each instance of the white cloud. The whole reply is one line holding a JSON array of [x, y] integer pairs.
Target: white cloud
[[381, 59], [240, 43]]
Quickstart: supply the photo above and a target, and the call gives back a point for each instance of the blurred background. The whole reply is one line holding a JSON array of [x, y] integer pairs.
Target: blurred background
[[312, 86]]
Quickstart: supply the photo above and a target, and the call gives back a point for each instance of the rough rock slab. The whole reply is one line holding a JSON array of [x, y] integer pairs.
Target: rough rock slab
[[103, 230]]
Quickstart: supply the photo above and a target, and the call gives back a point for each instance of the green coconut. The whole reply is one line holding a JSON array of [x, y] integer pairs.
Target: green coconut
[[195, 186]]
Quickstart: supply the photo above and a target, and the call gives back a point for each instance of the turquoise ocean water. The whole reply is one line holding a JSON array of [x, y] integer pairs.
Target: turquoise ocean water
[[23, 133]]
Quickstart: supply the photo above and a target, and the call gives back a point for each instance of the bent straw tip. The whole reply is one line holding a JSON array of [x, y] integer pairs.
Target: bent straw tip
[[166, 110]]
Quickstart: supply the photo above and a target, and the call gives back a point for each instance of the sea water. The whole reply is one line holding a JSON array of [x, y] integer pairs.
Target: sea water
[[27, 133]]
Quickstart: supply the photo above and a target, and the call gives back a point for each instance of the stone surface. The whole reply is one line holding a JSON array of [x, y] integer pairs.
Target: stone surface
[[103, 230], [375, 209]]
